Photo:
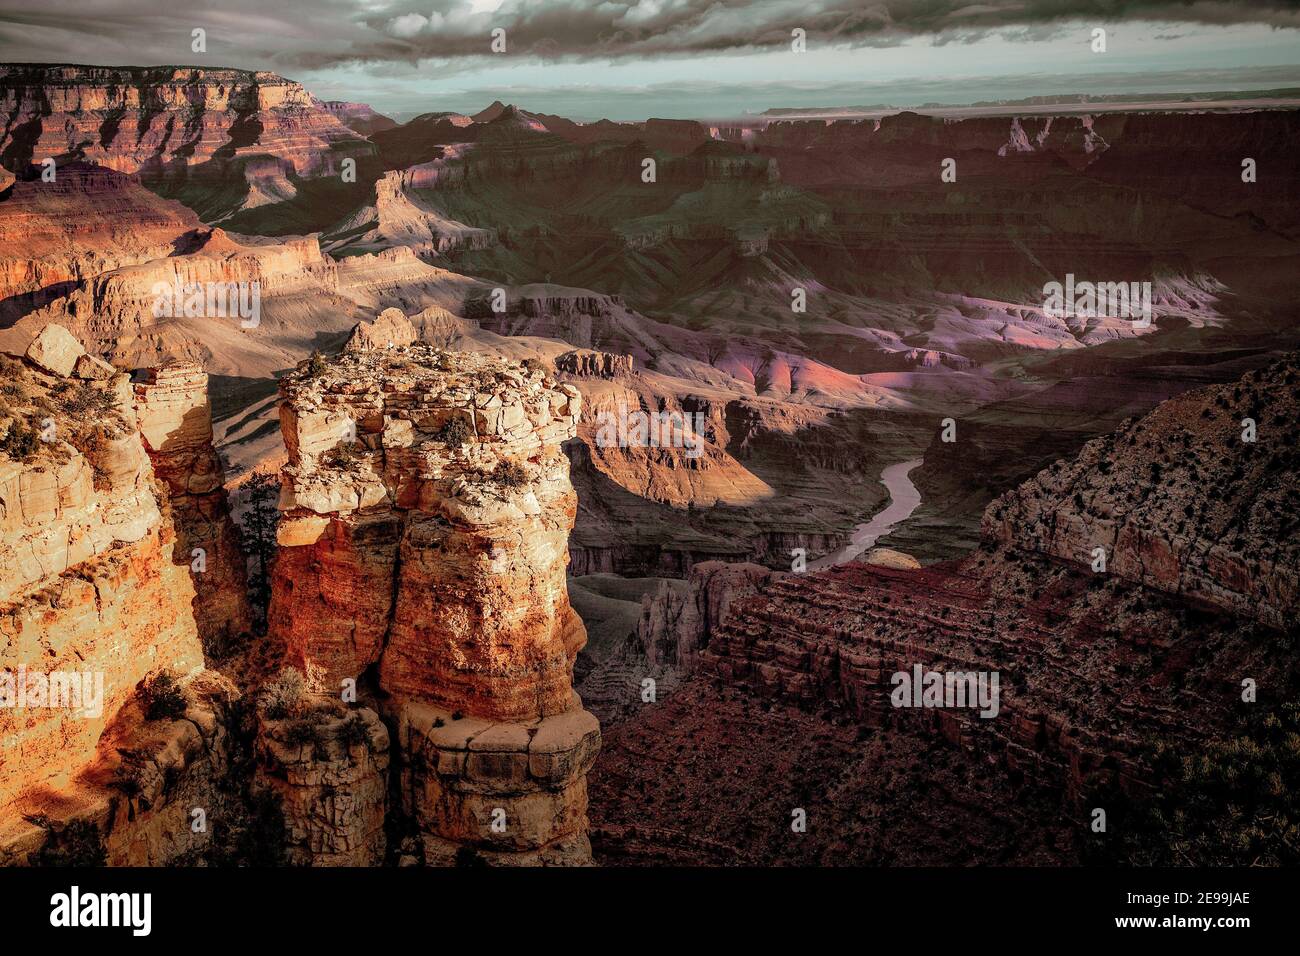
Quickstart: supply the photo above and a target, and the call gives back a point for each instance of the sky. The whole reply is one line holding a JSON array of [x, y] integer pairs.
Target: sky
[[632, 59]]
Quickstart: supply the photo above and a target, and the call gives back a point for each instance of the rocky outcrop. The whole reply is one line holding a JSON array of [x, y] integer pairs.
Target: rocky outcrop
[[1096, 665], [193, 304], [1198, 499], [406, 213], [391, 329], [175, 420], [586, 363], [358, 117], [157, 791], [329, 774], [677, 620], [425, 509], [510, 793], [88, 550], [675, 624]]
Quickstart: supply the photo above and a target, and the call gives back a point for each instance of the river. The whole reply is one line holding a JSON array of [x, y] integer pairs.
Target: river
[[903, 500]]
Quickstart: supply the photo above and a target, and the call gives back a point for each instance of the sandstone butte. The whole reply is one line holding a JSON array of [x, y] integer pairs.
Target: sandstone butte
[[423, 540]]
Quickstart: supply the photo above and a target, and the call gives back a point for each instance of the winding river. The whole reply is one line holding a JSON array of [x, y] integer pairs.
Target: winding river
[[903, 500]]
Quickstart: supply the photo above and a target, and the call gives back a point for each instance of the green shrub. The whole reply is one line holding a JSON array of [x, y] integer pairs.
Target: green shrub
[[355, 730], [316, 365], [20, 442], [343, 454], [88, 401], [1225, 803]]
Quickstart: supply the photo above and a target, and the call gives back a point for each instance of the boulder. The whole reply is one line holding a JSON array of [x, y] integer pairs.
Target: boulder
[[56, 350]]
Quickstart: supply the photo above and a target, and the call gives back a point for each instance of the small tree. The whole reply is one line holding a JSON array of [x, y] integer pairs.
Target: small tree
[[259, 526]]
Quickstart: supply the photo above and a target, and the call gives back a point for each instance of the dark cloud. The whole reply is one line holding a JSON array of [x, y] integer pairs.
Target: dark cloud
[[322, 33]]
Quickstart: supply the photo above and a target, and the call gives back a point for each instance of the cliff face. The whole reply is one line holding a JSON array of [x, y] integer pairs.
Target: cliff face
[[426, 508], [126, 314], [331, 788], [175, 420], [88, 551], [156, 120], [1096, 667], [1180, 501], [88, 221]]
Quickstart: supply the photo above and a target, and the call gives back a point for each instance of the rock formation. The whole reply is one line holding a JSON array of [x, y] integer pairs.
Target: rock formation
[[173, 125], [88, 550], [358, 117], [589, 362], [1198, 499], [426, 508], [676, 623], [175, 420], [329, 774], [1098, 667], [391, 329]]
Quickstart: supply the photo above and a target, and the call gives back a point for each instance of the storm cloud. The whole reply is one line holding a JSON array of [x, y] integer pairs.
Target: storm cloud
[[327, 33]]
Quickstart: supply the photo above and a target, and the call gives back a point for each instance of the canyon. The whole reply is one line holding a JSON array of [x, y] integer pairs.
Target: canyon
[[367, 587], [1101, 667]]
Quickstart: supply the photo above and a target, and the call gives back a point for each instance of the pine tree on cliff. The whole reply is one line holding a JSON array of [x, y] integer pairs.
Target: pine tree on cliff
[[259, 531]]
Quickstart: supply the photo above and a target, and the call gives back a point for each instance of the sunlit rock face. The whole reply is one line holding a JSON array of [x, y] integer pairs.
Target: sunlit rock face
[[89, 582], [160, 120], [425, 514]]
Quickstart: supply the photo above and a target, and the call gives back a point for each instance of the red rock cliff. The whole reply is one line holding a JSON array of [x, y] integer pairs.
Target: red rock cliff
[[90, 582], [426, 508]]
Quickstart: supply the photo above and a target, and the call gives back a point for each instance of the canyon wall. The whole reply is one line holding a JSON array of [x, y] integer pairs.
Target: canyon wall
[[425, 515], [89, 552], [1198, 499], [88, 221], [1097, 665], [156, 120]]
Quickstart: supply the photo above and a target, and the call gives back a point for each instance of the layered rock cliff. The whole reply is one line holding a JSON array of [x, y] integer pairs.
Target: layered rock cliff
[[1098, 666], [89, 550], [172, 125], [426, 508], [1199, 499], [88, 221]]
